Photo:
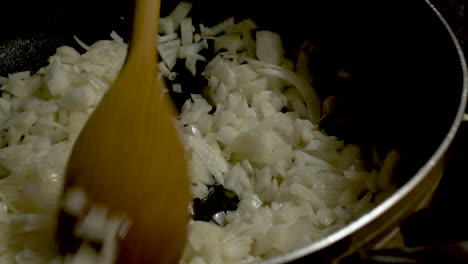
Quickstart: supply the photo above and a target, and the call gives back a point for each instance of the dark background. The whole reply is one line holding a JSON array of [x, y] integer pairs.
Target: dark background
[[445, 220], [454, 12]]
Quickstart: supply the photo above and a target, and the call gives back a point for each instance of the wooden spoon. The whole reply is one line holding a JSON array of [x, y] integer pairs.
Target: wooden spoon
[[129, 157]]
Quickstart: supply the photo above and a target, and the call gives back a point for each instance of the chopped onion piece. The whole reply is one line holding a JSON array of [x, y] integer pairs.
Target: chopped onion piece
[[163, 69], [215, 162], [220, 218], [68, 55], [19, 75], [53, 124], [388, 169], [116, 37], [225, 26], [186, 31], [166, 38], [166, 25], [269, 47], [3, 80], [250, 44], [57, 79], [168, 52], [222, 70], [244, 26], [81, 43], [196, 38], [75, 201], [168, 45], [25, 119], [177, 88], [92, 225], [191, 49], [180, 12], [231, 42], [166, 72], [307, 91], [302, 67], [191, 61]]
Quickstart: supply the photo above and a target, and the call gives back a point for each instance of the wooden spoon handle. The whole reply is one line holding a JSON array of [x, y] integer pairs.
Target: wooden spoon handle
[[145, 28]]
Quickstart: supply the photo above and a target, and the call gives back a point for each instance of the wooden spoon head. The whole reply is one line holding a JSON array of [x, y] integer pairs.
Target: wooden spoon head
[[130, 159]]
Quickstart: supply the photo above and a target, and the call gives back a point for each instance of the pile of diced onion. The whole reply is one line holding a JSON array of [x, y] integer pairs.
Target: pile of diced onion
[[295, 183]]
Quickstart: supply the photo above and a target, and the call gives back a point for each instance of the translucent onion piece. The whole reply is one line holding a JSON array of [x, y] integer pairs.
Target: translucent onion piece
[[215, 162], [307, 91]]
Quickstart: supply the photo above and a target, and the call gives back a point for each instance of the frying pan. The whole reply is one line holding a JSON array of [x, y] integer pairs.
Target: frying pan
[[407, 89]]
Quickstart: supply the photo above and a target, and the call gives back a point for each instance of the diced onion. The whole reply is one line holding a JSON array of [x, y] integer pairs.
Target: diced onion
[[180, 12], [186, 31], [215, 162], [269, 47], [81, 43], [307, 91], [116, 37]]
